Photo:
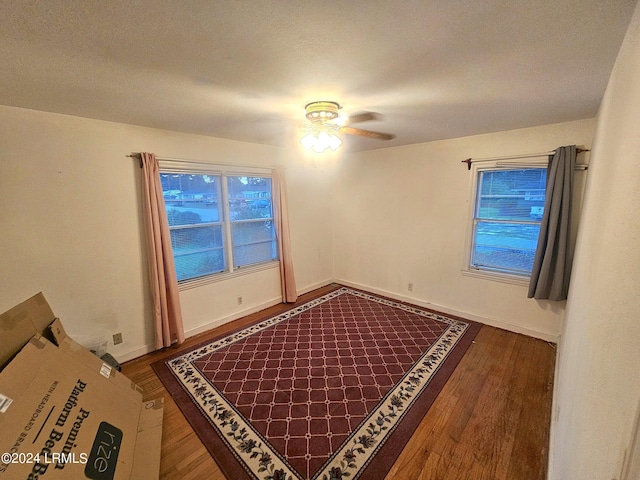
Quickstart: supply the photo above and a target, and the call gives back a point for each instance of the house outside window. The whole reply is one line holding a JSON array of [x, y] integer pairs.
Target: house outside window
[[219, 223], [505, 225]]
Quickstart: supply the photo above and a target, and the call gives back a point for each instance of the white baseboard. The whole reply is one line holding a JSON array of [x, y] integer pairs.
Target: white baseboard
[[138, 352], [459, 313], [310, 288], [230, 318], [133, 354], [256, 308]]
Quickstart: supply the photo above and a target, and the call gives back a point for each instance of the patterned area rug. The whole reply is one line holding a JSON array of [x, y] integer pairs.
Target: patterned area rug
[[330, 389]]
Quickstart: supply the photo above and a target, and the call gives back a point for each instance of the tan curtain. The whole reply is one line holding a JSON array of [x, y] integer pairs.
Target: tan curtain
[[167, 316], [281, 220]]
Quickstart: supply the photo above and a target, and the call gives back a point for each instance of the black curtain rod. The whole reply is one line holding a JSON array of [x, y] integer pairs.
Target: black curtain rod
[[136, 155], [469, 161]]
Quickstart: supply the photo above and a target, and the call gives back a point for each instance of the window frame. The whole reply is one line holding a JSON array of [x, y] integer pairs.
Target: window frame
[[222, 172], [468, 268]]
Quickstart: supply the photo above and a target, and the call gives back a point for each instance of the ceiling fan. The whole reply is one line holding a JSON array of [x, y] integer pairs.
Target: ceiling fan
[[323, 115]]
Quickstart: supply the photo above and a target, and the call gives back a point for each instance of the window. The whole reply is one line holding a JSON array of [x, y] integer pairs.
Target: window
[[508, 208], [218, 222], [251, 218]]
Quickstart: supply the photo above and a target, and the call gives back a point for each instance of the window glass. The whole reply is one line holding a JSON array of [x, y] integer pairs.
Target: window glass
[[253, 242], [508, 209], [210, 235], [255, 253], [193, 213], [249, 197], [250, 211], [191, 198]]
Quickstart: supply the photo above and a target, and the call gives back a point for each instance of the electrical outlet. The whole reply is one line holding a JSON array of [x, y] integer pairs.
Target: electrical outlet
[[410, 286], [239, 300], [117, 338]]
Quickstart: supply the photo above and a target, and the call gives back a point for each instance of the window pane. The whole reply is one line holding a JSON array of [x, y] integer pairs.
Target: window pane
[[251, 232], [254, 242], [511, 194], [505, 246], [249, 197], [198, 251], [189, 239], [191, 198], [254, 253], [198, 264]]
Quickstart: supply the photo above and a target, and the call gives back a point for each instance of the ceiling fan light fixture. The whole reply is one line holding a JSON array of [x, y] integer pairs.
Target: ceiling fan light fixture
[[325, 120], [321, 136], [321, 111], [321, 141]]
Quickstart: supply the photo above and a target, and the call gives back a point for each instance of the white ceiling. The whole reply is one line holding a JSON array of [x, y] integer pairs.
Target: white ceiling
[[245, 69]]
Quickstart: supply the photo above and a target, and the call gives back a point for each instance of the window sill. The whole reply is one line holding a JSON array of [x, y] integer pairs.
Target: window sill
[[497, 277], [220, 277]]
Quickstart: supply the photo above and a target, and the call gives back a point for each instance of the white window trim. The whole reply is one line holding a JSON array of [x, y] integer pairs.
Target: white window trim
[[187, 166], [467, 270], [222, 276], [495, 276], [181, 166]]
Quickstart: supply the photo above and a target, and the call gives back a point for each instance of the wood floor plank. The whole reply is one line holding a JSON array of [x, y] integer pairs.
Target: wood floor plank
[[491, 420]]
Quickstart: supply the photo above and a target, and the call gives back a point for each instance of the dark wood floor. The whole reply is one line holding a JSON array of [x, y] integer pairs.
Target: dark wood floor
[[491, 420]]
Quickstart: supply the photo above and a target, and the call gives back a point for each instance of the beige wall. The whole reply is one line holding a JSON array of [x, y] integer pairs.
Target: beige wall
[[598, 384], [70, 216], [401, 215], [378, 219]]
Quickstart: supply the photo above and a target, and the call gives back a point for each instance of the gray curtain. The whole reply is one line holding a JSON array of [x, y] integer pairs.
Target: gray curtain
[[552, 263]]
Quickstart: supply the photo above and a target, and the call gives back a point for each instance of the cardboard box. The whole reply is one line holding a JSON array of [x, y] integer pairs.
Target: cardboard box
[[64, 413]]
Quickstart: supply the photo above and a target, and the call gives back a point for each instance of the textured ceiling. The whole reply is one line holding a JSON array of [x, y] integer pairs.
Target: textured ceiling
[[244, 70]]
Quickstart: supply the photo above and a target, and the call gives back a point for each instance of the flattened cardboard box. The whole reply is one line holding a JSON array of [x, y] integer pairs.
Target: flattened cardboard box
[[64, 414]]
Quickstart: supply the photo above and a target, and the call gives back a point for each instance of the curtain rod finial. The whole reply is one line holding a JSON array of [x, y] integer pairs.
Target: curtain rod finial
[[136, 155], [468, 162]]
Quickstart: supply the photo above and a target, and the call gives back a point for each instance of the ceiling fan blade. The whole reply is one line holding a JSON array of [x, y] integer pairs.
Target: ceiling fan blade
[[367, 133], [362, 117]]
